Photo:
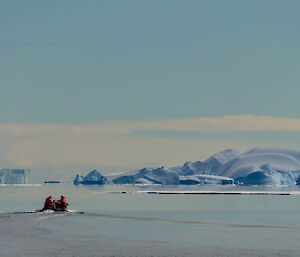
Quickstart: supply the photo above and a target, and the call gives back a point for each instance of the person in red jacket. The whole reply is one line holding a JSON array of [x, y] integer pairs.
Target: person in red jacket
[[48, 205]]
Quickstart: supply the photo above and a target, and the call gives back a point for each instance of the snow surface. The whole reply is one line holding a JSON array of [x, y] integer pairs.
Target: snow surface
[[129, 178], [191, 168], [209, 166], [218, 159], [277, 159], [268, 176], [163, 176], [143, 181], [204, 179]]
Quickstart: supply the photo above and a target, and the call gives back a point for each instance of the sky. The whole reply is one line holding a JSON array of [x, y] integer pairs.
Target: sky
[[144, 83]]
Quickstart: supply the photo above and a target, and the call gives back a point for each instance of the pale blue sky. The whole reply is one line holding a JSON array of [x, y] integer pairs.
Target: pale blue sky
[[82, 62], [89, 61]]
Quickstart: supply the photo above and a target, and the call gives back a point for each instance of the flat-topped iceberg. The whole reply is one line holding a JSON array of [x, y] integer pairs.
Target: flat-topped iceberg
[[13, 176], [93, 178]]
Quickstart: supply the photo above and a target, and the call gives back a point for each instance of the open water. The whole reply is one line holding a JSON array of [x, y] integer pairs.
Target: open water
[[135, 223]]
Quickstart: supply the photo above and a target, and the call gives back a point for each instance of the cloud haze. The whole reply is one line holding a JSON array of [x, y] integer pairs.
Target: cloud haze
[[111, 142], [226, 123]]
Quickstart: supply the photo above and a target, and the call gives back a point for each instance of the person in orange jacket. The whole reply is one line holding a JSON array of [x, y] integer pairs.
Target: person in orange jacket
[[48, 205], [61, 204]]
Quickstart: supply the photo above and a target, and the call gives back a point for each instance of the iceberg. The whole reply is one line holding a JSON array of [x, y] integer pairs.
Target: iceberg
[[283, 160], [298, 181], [209, 166], [266, 175], [205, 179], [148, 176], [131, 178], [192, 168], [258, 166], [14, 176], [144, 181], [55, 182], [218, 159], [93, 178], [162, 176]]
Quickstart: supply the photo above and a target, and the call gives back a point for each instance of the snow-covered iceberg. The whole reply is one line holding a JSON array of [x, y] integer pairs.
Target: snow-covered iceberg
[[209, 166], [144, 181], [162, 176], [129, 178], [218, 159], [14, 176], [251, 161], [259, 166], [205, 179], [192, 168], [298, 181], [266, 175], [93, 178]]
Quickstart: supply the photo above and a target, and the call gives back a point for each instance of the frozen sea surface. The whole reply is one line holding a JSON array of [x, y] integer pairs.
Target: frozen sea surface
[[142, 224]]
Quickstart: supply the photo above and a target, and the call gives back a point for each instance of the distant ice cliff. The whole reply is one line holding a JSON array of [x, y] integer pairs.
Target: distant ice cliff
[[14, 176]]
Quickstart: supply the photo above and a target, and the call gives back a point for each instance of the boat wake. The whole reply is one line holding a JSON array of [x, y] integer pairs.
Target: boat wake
[[41, 212], [201, 222]]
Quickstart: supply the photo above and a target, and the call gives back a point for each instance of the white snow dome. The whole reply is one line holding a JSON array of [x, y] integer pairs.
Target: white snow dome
[[279, 159]]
